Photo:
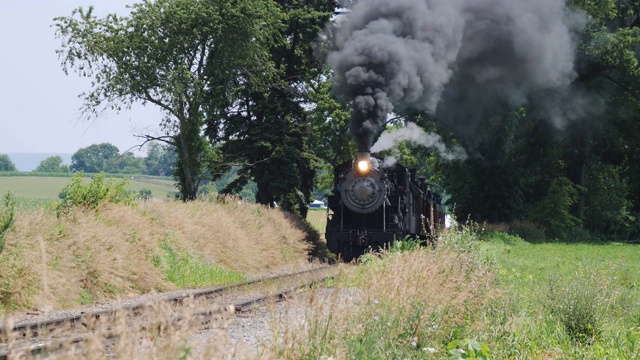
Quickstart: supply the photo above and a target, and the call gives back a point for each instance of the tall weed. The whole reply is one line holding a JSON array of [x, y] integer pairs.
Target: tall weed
[[580, 305], [7, 217]]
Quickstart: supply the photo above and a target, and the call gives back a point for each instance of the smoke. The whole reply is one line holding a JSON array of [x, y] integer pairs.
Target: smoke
[[412, 132], [457, 59]]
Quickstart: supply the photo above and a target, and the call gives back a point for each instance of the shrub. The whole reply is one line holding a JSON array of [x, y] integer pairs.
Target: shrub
[[145, 194], [527, 230], [90, 195], [579, 305], [607, 209], [7, 211], [553, 212], [404, 245]]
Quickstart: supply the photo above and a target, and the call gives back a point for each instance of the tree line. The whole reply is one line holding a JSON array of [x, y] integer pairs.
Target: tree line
[[244, 85], [159, 161]]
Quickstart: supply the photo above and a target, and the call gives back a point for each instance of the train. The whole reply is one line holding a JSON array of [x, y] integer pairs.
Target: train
[[372, 205]]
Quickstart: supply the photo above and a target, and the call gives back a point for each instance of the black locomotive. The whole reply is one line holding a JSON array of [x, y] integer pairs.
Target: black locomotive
[[372, 205]]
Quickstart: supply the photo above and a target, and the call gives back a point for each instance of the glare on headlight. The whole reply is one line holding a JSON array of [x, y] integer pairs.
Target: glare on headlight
[[363, 166]]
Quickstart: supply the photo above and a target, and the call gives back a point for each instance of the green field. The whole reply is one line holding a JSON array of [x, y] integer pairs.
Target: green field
[[318, 219], [30, 188]]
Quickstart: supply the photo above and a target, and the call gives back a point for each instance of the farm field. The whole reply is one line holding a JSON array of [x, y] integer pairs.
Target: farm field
[[48, 188], [318, 219]]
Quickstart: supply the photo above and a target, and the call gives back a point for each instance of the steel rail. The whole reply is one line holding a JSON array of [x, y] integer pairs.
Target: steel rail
[[45, 348], [36, 328]]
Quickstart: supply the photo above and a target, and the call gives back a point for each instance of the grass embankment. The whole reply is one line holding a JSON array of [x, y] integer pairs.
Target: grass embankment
[[119, 250]]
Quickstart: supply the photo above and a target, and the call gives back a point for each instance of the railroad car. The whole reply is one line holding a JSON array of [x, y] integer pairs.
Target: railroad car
[[372, 205]]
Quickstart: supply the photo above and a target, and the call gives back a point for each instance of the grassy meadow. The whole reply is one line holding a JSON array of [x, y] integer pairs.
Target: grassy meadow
[[37, 189], [318, 219]]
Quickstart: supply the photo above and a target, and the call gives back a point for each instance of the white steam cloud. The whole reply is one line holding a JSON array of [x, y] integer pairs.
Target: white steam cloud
[[414, 133]]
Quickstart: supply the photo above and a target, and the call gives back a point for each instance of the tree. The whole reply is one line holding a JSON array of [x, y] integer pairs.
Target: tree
[[329, 119], [52, 164], [160, 160], [268, 130], [175, 54], [6, 164], [92, 159], [126, 163]]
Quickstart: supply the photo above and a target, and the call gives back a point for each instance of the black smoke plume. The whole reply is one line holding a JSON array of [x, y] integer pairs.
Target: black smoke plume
[[458, 59]]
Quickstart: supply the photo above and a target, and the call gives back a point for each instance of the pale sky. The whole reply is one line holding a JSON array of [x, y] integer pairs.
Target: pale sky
[[39, 104]]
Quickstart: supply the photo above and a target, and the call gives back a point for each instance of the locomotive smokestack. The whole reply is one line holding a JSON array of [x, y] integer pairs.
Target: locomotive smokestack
[[364, 156]]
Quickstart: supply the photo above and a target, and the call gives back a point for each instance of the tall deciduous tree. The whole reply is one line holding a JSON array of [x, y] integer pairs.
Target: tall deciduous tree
[[126, 163], [93, 158], [268, 130], [176, 55], [160, 160], [6, 164], [52, 164]]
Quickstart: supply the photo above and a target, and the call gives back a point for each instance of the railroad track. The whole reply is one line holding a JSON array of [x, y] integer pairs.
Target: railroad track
[[42, 338]]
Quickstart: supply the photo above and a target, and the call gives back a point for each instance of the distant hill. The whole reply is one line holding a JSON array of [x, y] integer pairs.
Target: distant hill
[[30, 161]]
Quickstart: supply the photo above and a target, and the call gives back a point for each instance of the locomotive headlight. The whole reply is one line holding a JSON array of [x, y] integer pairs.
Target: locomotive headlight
[[363, 163], [364, 166]]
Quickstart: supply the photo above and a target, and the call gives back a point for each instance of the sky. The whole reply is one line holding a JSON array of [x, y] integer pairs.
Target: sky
[[39, 104]]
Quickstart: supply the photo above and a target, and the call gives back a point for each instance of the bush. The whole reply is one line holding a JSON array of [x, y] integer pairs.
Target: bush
[[607, 208], [91, 195], [527, 230], [579, 305], [553, 212], [7, 211]]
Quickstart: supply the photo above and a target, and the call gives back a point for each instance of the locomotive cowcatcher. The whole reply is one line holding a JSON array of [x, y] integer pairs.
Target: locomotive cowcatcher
[[372, 205]]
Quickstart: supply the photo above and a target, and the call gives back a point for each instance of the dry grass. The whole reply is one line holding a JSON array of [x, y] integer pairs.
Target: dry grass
[[403, 303], [155, 334], [93, 256]]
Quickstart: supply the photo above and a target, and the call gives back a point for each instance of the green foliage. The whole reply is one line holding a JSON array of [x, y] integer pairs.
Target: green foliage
[[580, 306], [553, 212], [490, 185], [182, 56], [144, 194], [329, 121], [607, 206], [6, 164], [405, 245], [126, 163], [268, 128], [7, 217], [93, 194], [527, 230], [160, 160], [468, 349], [187, 271], [390, 334], [52, 164], [464, 240], [93, 158], [86, 298]]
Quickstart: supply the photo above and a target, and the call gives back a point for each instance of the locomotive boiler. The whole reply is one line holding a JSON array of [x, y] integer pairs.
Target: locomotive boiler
[[372, 205]]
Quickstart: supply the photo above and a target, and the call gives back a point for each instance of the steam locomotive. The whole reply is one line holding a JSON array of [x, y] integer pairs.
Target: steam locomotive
[[372, 205]]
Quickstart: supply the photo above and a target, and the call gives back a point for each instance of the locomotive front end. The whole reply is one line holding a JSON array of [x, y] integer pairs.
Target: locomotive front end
[[363, 189]]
